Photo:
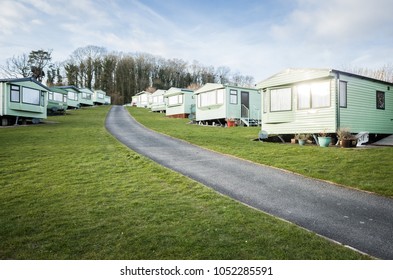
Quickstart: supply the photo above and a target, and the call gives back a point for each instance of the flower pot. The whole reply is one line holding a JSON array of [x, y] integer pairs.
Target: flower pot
[[302, 142], [324, 141], [231, 123], [346, 143]]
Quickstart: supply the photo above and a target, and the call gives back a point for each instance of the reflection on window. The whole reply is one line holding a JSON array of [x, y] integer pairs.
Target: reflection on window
[[15, 93], [343, 94], [31, 96], [314, 95]]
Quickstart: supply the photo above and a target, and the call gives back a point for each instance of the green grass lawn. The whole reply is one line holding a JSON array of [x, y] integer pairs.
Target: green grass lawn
[[366, 169], [69, 190]]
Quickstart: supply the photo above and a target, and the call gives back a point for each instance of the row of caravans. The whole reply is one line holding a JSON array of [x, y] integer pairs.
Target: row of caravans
[[212, 103], [292, 101], [28, 99]]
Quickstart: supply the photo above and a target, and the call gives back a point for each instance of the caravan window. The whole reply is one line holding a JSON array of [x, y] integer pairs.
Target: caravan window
[[315, 95], [175, 100], [211, 98], [31, 96], [343, 94], [57, 97], [380, 100], [72, 95], [15, 93], [280, 99], [233, 96]]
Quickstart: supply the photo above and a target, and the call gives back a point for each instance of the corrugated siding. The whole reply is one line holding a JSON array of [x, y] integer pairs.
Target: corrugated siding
[[208, 87], [302, 121], [291, 76], [361, 113]]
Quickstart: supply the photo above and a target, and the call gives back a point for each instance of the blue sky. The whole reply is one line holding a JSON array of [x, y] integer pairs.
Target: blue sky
[[253, 37]]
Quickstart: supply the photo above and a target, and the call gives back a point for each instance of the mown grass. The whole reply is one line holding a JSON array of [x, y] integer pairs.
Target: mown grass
[[365, 169], [69, 190]]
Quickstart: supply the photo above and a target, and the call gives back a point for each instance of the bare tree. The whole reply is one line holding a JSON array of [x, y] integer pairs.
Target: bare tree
[[16, 67]]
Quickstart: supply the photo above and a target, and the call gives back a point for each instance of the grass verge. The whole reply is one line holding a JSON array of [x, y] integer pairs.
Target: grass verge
[[69, 190], [365, 169]]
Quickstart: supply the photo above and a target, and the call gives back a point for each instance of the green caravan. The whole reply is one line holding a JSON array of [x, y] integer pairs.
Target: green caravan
[[73, 96], [180, 103], [325, 100], [99, 97], [57, 101], [158, 101], [226, 104], [21, 100], [86, 97]]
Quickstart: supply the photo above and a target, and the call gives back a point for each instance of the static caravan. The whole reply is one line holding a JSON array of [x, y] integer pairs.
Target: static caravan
[[57, 100], [134, 100], [158, 101], [315, 100], [22, 99], [142, 99], [99, 97], [107, 100], [220, 103], [86, 97], [73, 96], [180, 103]]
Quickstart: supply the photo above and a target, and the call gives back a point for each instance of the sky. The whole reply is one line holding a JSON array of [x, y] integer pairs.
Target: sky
[[252, 37]]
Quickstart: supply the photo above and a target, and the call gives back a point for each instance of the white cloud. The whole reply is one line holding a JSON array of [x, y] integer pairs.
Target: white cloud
[[306, 33]]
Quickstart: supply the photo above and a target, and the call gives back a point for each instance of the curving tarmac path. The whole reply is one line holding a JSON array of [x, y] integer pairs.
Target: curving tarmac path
[[354, 218]]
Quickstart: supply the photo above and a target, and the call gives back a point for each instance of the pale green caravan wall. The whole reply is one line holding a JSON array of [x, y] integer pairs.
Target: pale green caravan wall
[[301, 121], [361, 113], [234, 110], [1, 98], [185, 108], [22, 109], [211, 112]]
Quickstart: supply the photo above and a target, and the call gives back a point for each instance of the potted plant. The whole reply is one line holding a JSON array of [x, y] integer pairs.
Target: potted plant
[[324, 139], [231, 122], [345, 137], [301, 138]]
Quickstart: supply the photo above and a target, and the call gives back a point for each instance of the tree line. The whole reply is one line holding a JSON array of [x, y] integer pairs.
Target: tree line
[[121, 75]]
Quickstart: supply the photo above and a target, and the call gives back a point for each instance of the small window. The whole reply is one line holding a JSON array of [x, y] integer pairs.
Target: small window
[[15, 93], [380, 100], [265, 105], [233, 96], [343, 94]]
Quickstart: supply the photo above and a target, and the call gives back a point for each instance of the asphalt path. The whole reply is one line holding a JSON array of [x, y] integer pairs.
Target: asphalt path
[[353, 218]]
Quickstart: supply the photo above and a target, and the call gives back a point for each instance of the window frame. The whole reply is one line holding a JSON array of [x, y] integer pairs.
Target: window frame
[[290, 99], [233, 97], [15, 90], [378, 94], [40, 96], [211, 98], [341, 94], [310, 94]]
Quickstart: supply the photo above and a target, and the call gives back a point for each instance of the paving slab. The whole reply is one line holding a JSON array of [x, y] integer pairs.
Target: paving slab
[[353, 218]]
